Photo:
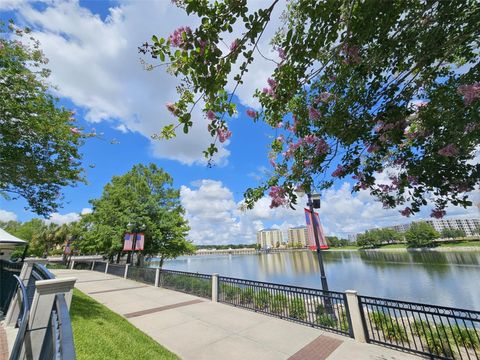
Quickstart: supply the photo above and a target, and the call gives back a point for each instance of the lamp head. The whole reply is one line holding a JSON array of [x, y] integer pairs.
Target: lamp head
[[316, 201]]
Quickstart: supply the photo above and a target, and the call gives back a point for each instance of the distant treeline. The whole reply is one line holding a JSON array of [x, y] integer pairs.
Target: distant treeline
[[229, 246]]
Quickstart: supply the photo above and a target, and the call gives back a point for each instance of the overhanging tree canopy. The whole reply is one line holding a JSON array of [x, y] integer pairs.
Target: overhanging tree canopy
[[38, 140], [360, 88]]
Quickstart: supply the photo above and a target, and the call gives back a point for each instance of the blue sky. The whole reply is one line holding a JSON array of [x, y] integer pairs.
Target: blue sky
[[92, 47]]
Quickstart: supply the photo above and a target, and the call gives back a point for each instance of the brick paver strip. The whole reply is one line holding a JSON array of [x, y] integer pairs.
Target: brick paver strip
[[112, 290], [318, 349], [3, 344], [161, 308], [86, 281]]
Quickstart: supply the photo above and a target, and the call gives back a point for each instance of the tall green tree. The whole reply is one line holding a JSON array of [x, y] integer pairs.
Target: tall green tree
[[142, 199], [421, 234], [39, 140], [452, 233], [360, 87]]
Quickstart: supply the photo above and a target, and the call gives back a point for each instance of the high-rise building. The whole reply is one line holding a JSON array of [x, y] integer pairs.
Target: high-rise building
[[269, 238], [469, 226], [298, 235]]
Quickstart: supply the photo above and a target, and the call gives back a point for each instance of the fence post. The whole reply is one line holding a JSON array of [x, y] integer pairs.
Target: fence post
[[106, 268], [14, 308], [93, 265], [215, 287], [126, 271], [157, 277], [41, 310], [73, 265], [356, 316]]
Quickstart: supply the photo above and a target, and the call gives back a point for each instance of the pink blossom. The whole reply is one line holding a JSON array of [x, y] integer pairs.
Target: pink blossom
[[406, 212], [223, 135], [307, 162], [324, 97], [1, 46], [75, 131], [268, 91], [313, 113], [277, 194], [281, 138], [384, 187], [438, 214], [469, 92], [322, 147], [449, 150], [234, 45], [310, 139], [373, 148], [171, 107], [202, 43], [413, 180], [339, 171], [251, 113], [470, 127], [211, 115], [281, 53], [272, 162], [279, 125], [176, 38], [272, 83], [352, 54]]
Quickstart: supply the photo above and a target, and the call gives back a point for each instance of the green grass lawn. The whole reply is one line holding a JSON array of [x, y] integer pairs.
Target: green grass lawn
[[452, 244], [101, 334]]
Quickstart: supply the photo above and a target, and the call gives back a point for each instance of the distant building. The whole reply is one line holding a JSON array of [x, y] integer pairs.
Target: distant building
[[469, 226], [352, 237], [268, 238], [298, 235]]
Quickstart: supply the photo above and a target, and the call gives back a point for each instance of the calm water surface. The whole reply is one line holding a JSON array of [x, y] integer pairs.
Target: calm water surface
[[449, 279]]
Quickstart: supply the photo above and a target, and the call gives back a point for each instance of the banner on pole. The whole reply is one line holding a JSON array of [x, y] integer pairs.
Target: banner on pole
[[140, 241], [128, 242], [311, 222], [68, 248]]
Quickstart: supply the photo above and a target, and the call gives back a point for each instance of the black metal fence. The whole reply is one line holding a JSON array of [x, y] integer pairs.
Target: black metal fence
[[440, 332], [82, 265], [190, 283], [99, 266], [116, 269], [8, 283], [323, 309], [145, 275]]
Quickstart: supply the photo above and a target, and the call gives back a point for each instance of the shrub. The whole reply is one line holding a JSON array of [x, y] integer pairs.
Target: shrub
[[467, 337], [419, 327], [438, 344], [296, 309], [230, 291], [379, 319], [343, 321], [261, 300], [279, 304], [327, 321], [395, 332], [319, 309], [246, 296]]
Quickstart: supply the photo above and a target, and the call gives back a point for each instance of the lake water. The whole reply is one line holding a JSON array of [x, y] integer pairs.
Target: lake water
[[442, 278]]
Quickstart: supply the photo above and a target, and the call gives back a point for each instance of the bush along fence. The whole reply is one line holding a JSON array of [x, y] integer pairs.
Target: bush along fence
[[435, 331]]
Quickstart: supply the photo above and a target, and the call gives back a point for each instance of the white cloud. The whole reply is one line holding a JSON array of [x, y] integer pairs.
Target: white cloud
[[7, 216], [86, 211], [95, 63], [61, 219]]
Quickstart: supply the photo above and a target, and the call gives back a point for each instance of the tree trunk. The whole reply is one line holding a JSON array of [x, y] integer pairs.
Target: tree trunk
[[118, 256], [160, 265]]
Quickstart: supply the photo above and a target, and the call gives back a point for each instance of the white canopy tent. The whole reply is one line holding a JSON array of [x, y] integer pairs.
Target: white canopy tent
[[8, 242]]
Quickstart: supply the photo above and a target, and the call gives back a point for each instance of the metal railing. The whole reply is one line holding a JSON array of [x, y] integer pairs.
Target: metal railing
[[8, 283], [99, 266], [22, 321], [190, 283], [323, 309], [82, 265], [145, 275], [116, 269], [437, 331]]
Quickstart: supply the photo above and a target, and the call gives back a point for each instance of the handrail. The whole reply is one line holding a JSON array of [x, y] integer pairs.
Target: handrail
[[22, 328], [67, 348]]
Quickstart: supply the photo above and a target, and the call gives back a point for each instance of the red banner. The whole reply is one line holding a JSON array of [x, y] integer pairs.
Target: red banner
[[315, 221], [140, 241], [128, 243]]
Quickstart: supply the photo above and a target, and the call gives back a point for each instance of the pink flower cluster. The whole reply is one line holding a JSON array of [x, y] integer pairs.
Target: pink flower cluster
[[406, 212], [324, 97], [251, 113], [277, 194], [449, 150], [224, 135], [352, 54], [171, 107], [270, 90], [75, 131], [211, 115], [281, 53], [438, 214], [339, 171], [372, 148], [322, 147], [234, 45], [176, 38], [313, 113], [469, 92], [470, 127]]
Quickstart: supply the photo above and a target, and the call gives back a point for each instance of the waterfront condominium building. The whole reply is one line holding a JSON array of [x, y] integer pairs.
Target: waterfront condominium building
[[469, 226], [269, 238], [298, 235]]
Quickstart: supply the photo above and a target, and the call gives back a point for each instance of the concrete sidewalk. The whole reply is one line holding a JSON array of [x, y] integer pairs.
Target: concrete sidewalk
[[195, 328]]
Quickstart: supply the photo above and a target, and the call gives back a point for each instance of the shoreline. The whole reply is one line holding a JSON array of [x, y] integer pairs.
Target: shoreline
[[405, 249]]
